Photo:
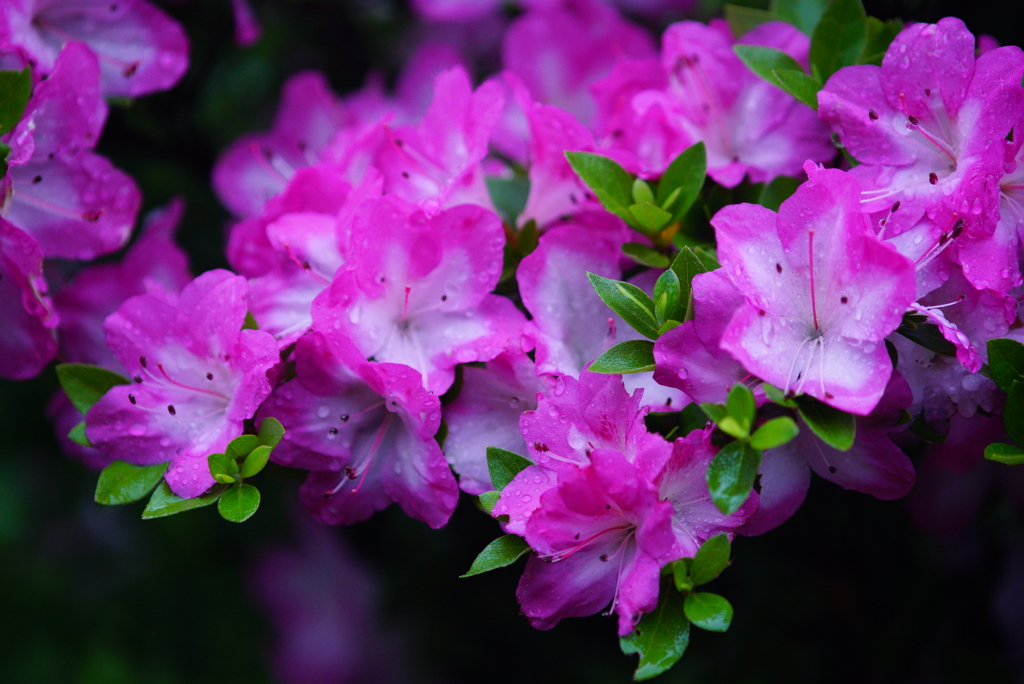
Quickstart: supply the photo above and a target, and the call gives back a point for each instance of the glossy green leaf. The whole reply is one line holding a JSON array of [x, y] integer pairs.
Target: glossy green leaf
[[239, 503], [731, 475], [764, 61], [271, 432], [610, 183], [880, 35], [774, 433], [801, 86], [834, 427], [631, 356], [255, 461], [77, 435], [5, 153], [1005, 453], [681, 574], [123, 483], [839, 38], [661, 636], [242, 445], [644, 255], [708, 611], [778, 191], [1013, 412], [927, 335], [777, 396], [666, 295], [691, 418], [742, 19], [650, 218], [164, 502], [503, 466], [1005, 362], [85, 385], [222, 467], [15, 91], [499, 553], [629, 301], [641, 191], [686, 265], [711, 559], [742, 406], [509, 195], [487, 501], [685, 176], [804, 14]]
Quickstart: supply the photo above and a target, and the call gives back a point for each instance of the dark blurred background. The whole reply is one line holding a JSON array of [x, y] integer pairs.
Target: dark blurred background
[[850, 590]]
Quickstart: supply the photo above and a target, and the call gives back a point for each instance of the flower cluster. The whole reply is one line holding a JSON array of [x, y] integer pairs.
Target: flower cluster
[[511, 289]]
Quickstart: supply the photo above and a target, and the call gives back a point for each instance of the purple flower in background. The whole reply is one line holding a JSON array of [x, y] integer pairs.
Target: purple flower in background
[[27, 341], [196, 377], [365, 430], [140, 49], [821, 292]]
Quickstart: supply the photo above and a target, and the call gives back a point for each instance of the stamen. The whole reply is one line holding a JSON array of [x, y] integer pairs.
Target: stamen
[[562, 555], [194, 389], [304, 265], [810, 248]]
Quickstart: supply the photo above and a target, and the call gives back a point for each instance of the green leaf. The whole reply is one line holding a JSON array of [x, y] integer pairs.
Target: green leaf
[[15, 91], [764, 61], [631, 356], [123, 483], [711, 559], [661, 637], [774, 433], [836, 428], [85, 385], [880, 35], [629, 301], [708, 611], [250, 322], [681, 574], [504, 466], [271, 432], [839, 38], [255, 461], [927, 335], [777, 192], [686, 265], [611, 184], [1005, 453], [487, 501], [804, 14], [777, 396], [666, 295], [77, 435], [239, 503], [741, 19], [642, 192], [742, 406], [164, 502], [925, 431], [685, 176], [242, 445], [731, 475], [509, 195], [5, 153], [222, 467], [649, 217], [691, 418], [1005, 362], [502, 551], [1013, 412], [644, 255], [801, 86]]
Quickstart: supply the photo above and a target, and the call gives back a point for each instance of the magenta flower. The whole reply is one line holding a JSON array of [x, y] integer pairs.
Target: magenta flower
[[821, 292], [73, 201], [27, 341], [415, 289], [140, 49], [366, 431], [197, 377], [928, 128], [601, 537]]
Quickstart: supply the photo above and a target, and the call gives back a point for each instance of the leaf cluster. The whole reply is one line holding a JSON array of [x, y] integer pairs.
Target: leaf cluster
[[1006, 368]]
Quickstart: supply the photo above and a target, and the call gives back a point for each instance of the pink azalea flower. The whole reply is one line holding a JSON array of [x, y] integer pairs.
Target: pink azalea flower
[[73, 201], [415, 289], [702, 91], [928, 127], [366, 431], [821, 292], [601, 537], [247, 27], [27, 341], [140, 49], [197, 377], [874, 465]]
